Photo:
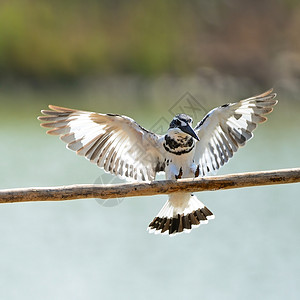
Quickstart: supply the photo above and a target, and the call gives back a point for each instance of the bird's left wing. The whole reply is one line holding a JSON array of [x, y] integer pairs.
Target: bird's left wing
[[116, 143], [227, 128]]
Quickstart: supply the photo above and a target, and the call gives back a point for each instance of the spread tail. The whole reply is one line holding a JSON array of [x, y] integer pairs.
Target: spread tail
[[181, 213]]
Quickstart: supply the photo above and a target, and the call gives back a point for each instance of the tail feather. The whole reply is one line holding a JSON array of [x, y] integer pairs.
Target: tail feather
[[179, 216]]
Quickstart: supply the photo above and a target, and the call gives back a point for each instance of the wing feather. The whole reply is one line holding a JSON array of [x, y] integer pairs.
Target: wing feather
[[114, 142], [227, 128]]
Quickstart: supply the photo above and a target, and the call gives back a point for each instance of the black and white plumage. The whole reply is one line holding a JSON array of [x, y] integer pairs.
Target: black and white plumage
[[124, 148]]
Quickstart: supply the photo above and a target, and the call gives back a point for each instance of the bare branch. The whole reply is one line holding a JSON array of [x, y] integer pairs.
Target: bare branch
[[83, 191]]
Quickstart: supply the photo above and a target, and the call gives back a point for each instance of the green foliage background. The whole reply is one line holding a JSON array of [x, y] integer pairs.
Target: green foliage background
[[66, 40]]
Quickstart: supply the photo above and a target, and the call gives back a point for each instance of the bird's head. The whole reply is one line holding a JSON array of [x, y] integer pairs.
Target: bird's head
[[181, 125]]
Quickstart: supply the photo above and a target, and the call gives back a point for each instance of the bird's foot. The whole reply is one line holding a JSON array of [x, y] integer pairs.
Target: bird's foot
[[197, 172], [179, 176]]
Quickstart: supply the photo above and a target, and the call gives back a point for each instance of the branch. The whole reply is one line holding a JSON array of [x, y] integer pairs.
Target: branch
[[82, 191]]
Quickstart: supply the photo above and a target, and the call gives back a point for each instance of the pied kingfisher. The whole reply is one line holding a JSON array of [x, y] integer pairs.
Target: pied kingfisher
[[124, 148]]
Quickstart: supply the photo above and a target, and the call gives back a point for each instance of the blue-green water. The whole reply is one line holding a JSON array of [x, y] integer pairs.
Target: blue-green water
[[82, 250]]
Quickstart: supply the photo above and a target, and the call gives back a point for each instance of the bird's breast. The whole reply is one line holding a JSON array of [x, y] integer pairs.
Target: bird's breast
[[179, 146], [182, 165]]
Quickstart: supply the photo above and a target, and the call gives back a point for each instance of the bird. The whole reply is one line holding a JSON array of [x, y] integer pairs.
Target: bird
[[124, 148]]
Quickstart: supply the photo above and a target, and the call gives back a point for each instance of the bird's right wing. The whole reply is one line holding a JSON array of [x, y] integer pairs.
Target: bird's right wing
[[116, 143], [227, 128]]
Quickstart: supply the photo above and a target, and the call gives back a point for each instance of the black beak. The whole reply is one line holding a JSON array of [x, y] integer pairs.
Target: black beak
[[189, 130]]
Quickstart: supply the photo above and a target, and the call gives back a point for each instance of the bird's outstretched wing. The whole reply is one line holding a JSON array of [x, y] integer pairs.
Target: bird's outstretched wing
[[227, 128], [116, 143]]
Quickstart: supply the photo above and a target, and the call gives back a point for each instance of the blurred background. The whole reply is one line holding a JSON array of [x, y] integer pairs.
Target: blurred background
[[139, 58]]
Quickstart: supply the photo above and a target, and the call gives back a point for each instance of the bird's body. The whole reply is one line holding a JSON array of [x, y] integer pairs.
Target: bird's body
[[124, 148], [182, 211]]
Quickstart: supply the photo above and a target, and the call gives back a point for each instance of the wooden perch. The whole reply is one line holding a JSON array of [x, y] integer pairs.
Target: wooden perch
[[82, 191]]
